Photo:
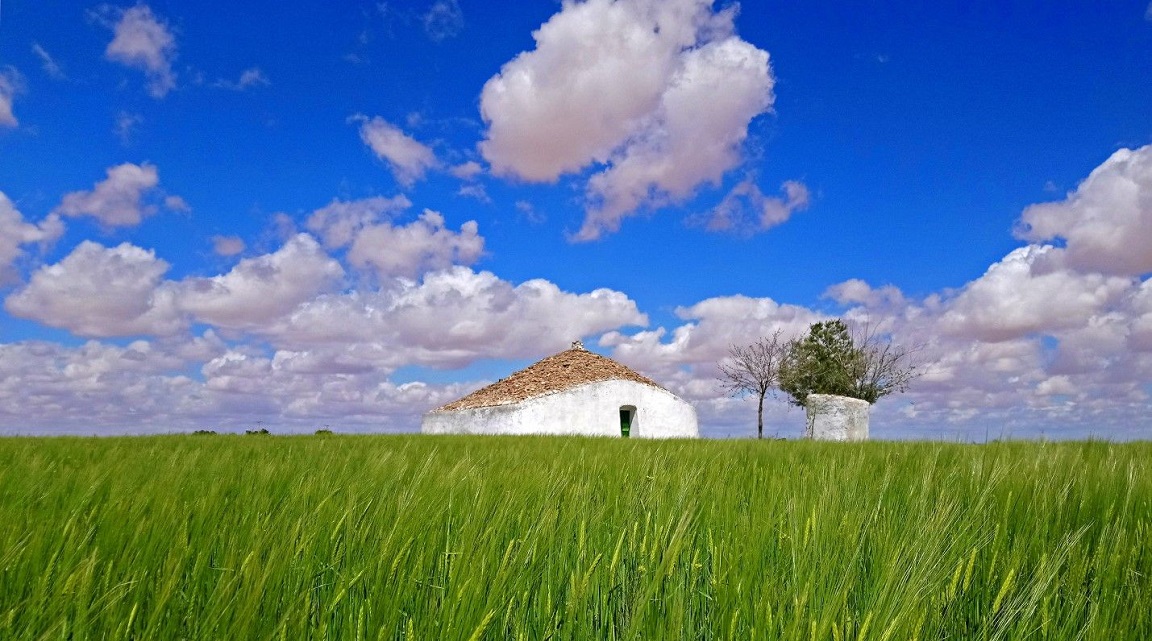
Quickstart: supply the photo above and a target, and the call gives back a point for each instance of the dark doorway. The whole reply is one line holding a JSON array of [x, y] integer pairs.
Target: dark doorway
[[627, 416]]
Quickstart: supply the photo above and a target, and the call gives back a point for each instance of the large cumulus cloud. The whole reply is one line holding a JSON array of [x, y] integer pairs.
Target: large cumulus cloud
[[657, 94], [1106, 220]]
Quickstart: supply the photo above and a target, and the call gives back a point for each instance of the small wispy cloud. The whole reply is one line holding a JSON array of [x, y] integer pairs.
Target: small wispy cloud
[[529, 212], [48, 63], [474, 190], [408, 158], [443, 20], [467, 170], [11, 83], [251, 77], [125, 126], [227, 245], [746, 210]]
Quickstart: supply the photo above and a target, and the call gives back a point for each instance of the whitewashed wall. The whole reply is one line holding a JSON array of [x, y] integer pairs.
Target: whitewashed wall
[[836, 418], [592, 409]]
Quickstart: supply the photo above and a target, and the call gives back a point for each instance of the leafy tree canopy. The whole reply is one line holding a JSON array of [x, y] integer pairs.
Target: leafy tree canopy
[[820, 363], [830, 360]]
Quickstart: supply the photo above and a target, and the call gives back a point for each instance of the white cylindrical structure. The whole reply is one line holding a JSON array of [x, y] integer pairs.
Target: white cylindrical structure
[[836, 418]]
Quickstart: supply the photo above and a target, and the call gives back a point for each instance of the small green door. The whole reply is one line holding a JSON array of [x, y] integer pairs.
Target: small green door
[[625, 422]]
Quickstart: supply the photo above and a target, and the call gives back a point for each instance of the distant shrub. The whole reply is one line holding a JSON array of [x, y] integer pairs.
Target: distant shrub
[[260, 432], [324, 432], [204, 433]]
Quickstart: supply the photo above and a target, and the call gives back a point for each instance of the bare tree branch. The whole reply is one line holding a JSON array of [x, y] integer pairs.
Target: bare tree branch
[[754, 369], [882, 367]]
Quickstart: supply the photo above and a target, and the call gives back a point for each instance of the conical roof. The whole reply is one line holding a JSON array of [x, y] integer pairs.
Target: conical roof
[[568, 369]]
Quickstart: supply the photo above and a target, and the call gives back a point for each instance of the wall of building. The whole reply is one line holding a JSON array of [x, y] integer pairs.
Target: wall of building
[[589, 410], [836, 418]]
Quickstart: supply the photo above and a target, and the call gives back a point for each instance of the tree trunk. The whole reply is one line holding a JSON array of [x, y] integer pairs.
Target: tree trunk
[[760, 418]]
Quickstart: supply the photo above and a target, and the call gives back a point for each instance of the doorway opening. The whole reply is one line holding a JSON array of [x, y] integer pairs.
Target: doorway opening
[[627, 420]]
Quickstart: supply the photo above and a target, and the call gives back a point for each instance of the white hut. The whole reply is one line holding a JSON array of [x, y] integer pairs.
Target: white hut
[[573, 392]]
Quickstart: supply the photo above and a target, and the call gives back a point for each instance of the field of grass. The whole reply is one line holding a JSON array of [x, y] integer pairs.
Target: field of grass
[[410, 537]]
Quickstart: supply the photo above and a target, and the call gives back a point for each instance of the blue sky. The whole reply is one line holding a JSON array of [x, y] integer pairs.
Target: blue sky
[[213, 215]]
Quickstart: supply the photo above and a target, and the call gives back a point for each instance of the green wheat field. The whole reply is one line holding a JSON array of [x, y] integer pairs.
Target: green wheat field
[[413, 537]]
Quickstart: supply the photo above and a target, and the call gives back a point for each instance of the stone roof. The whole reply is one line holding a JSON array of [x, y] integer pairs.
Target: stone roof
[[568, 369]]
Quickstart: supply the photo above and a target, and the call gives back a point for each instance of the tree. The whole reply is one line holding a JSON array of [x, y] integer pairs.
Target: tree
[[820, 363], [882, 367], [754, 369], [830, 360]]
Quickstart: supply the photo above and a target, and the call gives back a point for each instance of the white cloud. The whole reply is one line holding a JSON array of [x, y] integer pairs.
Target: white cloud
[[443, 20], [528, 212], [746, 210], [295, 393], [227, 245], [143, 387], [48, 63], [16, 232], [251, 77], [466, 170], [703, 119], [176, 203], [476, 191], [1035, 344], [331, 351], [11, 83], [598, 69], [92, 387], [711, 327], [406, 157], [143, 41], [125, 127], [100, 291], [857, 292], [454, 316], [1098, 345], [118, 200], [339, 221], [1039, 342], [1030, 291], [972, 386], [409, 250], [1140, 306], [659, 93], [259, 290], [1106, 220], [391, 250], [1056, 385]]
